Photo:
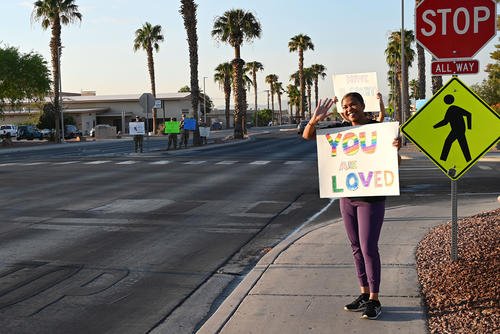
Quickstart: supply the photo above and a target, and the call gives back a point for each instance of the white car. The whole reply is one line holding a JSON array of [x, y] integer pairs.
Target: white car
[[8, 130]]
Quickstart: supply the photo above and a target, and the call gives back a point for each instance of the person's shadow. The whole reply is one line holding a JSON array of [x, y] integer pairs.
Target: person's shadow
[[455, 116], [403, 313]]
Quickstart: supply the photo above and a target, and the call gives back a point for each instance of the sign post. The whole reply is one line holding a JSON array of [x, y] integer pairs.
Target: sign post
[[441, 28]]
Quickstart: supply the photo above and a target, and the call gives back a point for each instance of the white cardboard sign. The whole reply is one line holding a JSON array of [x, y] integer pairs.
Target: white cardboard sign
[[362, 83], [136, 128], [358, 161]]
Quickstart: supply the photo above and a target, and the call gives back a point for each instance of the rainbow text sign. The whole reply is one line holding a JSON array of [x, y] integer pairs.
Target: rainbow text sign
[[358, 161]]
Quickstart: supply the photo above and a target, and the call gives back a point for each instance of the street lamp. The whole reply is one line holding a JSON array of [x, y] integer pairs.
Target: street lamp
[[204, 102], [59, 49]]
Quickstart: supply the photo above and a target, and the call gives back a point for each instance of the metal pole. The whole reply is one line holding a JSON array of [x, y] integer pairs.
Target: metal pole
[[60, 93], [204, 102], [147, 124], [454, 218], [404, 88]]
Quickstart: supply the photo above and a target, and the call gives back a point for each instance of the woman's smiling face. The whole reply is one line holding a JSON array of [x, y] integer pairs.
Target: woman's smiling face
[[353, 109]]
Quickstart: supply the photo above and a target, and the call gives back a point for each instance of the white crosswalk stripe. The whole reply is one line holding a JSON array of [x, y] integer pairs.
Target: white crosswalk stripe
[[226, 162], [128, 162], [97, 162], [66, 162], [160, 162], [195, 162], [33, 163], [260, 162], [165, 162]]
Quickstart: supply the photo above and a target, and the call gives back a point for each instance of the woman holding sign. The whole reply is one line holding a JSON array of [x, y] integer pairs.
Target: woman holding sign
[[362, 216]]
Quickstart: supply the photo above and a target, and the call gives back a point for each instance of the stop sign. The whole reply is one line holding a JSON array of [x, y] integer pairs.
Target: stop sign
[[455, 29]]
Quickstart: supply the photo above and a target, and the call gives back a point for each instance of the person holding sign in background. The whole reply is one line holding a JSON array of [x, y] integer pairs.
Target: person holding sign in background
[[362, 216]]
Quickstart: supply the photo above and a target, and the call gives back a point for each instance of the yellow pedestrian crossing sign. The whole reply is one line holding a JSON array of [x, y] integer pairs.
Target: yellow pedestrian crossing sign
[[454, 128]]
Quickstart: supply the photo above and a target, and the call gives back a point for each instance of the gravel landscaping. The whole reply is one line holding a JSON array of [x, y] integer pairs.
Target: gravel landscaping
[[462, 296]]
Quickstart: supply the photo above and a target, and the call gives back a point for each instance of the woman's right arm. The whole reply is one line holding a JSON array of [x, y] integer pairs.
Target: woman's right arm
[[320, 113]]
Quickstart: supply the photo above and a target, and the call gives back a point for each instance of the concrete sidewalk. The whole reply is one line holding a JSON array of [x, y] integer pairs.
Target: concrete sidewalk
[[302, 284]]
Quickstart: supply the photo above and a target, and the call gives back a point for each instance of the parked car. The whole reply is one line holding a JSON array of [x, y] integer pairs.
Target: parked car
[[71, 131], [216, 126], [8, 130], [46, 133], [29, 132]]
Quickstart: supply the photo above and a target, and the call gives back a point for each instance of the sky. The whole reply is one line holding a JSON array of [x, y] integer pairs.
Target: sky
[[348, 37]]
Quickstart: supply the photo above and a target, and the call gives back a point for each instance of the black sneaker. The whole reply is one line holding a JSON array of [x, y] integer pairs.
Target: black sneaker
[[373, 310], [359, 304]]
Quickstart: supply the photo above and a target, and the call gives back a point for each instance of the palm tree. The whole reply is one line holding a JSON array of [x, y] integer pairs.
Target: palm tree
[[309, 81], [223, 75], [414, 89], [301, 43], [234, 27], [271, 79], [318, 72], [52, 14], [147, 38], [278, 89], [252, 67], [308, 77], [393, 58], [293, 99], [188, 12]]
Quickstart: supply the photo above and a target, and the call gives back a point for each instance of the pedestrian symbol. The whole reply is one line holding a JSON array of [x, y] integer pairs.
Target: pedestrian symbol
[[454, 128], [455, 116]]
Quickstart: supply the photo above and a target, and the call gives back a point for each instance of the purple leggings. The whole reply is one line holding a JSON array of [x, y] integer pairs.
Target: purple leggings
[[363, 222]]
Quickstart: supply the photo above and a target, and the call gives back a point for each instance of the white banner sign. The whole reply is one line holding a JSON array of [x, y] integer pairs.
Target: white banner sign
[[136, 128], [204, 131], [358, 161], [362, 83]]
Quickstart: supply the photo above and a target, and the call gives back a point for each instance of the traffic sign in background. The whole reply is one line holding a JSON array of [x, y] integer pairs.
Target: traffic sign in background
[[441, 128], [455, 29]]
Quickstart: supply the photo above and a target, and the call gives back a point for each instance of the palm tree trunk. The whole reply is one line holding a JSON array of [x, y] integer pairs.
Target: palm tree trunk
[[238, 95], [279, 107], [316, 93], [55, 43], [254, 77], [189, 15], [437, 82], [227, 99], [302, 83], [309, 100], [151, 69], [421, 72]]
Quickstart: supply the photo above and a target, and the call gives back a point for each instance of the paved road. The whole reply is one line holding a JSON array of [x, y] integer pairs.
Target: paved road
[[118, 243]]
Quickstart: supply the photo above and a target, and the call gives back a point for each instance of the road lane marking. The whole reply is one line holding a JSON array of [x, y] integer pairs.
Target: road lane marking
[[33, 163], [484, 167], [192, 162], [160, 162], [259, 162], [293, 162], [128, 162], [97, 162], [66, 162], [227, 162]]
